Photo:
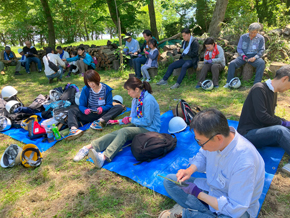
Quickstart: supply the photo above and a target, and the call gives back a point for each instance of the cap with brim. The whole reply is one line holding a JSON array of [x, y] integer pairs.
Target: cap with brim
[[7, 48], [20, 50], [127, 37]]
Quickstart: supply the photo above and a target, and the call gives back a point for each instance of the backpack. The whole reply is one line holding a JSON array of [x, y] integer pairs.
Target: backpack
[[69, 95], [35, 130], [17, 118], [150, 145], [38, 102], [184, 111]]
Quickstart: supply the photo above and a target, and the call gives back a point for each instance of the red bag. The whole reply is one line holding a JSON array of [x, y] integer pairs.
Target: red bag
[[35, 130], [95, 61]]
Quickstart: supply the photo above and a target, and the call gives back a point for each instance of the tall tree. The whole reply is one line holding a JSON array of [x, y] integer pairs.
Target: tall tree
[[51, 33], [152, 16], [218, 17]]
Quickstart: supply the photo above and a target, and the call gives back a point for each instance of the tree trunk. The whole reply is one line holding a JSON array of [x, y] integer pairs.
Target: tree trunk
[[201, 9], [86, 30], [51, 33], [153, 19], [112, 10], [288, 6], [218, 17]]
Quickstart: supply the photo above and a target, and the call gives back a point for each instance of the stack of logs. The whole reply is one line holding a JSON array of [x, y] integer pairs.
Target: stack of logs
[[170, 52]]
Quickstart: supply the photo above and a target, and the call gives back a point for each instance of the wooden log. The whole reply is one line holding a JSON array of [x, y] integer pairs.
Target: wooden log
[[248, 72], [190, 71], [169, 47], [153, 72], [170, 38], [116, 65], [276, 66]]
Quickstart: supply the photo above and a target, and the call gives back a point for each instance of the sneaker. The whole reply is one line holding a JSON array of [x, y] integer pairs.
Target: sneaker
[[226, 85], [28, 72], [142, 80], [59, 80], [73, 134], [50, 80], [68, 76], [217, 86], [97, 157], [148, 80], [97, 125], [17, 74], [175, 212], [39, 71], [2, 72], [82, 74], [81, 154], [286, 168], [197, 86], [162, 82], [175, 86]]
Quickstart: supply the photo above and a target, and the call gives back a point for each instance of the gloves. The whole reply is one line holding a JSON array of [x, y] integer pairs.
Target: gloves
[[139, 55], [113, 122], [244, 57], [87, 111], [209, 61], [286, 123], [126, 120], [100, 110], [146, 52], [191, 189]]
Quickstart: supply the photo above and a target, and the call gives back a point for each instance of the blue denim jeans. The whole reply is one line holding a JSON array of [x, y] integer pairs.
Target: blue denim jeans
[[184, 64], [259, 64], [275, 136], [58, 74], [137, 65], [192, 207], [33, 59]]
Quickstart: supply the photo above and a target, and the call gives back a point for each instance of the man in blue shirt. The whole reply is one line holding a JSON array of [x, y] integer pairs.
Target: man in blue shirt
[[235, 173], [132, 47], [250, 48]]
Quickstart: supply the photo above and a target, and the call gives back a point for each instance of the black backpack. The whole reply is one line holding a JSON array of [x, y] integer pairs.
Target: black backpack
[[150, 145], [69, 95], [184, 111]]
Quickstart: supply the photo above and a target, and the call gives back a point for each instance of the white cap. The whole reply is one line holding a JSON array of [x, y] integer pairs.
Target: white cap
[[20, 50]]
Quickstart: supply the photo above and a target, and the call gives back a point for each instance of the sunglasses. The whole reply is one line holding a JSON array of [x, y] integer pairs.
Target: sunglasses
[[201, 145]]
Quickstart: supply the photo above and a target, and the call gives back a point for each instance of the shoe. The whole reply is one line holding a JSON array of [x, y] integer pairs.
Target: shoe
[[226, 85], [28, 72], [68, 76], [59, 80], [81, 154], [39, 71], [217, 86], [162, 82], [2, 72], [148, 80], [50, 80], [97, 157], [97, 125], [197, 86], [82, 74], [17, 74], [175, 212], [286, 168], [73, 134], [175, 86], [142, 80]]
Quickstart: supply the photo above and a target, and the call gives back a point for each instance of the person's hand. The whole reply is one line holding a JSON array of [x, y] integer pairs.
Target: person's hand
[[88, 111], [113, 122], [191, 189], [146, 52], [135, 53], [26, 55], [139, 55], [286, 123], [209, 61], [63, 59], [99, 110], [126, 120], [182, 175], [130, 52], [251, 59], [81, 59], [245, 57]]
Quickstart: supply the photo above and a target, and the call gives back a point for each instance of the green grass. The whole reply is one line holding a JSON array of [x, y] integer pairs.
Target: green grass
[[63, 188]]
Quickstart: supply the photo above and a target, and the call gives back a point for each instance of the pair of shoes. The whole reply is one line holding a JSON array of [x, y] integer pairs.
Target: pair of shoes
[[197, 86], [175, 212], [175, 86], [97, 157], [286, 168], [162, 82], [217, 86], [2, 72], [50, 80], [59, 80], [28, 72], [81, 154], [17, 74], [148, 80], [227, 85], [73, 134], [97, 125]]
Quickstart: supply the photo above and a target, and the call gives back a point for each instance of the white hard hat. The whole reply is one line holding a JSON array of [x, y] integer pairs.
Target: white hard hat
[[11, 156], [8, 91], [235, 83], [54, 95], [5, 123], [12, 105], [20, 50], [77, 98], [207, 85], [176, 124], [118, 98]]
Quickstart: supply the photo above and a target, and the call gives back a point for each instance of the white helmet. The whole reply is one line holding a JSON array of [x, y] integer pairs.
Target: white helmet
[[207, 84], [12, 105], [176, 124], [8, 92], [77, 98], [54, 95], [20, 50], [11, 156], [235, 83], [5, 123], [118, 98]]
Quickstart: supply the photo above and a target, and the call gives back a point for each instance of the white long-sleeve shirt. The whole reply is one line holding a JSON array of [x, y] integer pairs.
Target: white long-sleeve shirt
[[54, 59]]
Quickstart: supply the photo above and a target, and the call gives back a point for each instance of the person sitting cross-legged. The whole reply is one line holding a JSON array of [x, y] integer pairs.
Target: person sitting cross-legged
[[214, 61], [258, 122], [189, 58], [235, 173], [31, 56], [251, 47], [8, 58], [144, 117]]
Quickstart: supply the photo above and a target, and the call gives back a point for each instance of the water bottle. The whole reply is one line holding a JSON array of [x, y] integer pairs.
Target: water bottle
[[56, 132], [49, 132]]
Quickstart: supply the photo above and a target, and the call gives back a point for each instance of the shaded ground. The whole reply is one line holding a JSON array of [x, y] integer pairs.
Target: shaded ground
[[63, 188]]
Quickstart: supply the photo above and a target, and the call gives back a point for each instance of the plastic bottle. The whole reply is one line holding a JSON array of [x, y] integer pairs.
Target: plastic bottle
[[56, 132], [49, 133]]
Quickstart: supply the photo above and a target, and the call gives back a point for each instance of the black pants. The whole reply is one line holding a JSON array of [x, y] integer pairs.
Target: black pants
[[71, 68], [75, 116], [113, 112]]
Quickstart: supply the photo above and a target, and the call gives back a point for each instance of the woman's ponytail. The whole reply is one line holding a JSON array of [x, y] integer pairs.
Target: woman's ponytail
[[147, 87]]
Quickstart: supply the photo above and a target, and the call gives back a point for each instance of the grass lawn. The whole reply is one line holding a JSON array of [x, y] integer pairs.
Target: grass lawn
[[63, 188]]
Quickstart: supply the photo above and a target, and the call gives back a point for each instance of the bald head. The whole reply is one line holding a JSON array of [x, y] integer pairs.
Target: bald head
[[28, 44]]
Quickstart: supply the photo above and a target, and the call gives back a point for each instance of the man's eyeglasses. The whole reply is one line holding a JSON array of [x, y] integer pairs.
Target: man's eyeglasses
[[201, 145]]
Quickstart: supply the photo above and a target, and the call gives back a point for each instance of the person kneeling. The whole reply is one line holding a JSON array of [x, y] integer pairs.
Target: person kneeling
[[235, 173], [95, 101], [144, 117]]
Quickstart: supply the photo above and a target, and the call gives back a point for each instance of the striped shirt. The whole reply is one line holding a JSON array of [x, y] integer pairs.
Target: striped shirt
[[97, 99]]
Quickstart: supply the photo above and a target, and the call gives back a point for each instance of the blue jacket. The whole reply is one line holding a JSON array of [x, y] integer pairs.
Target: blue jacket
[[84, 98], [132, 46], [151, 113], [251, 48], [88, 60], [153, 57]]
